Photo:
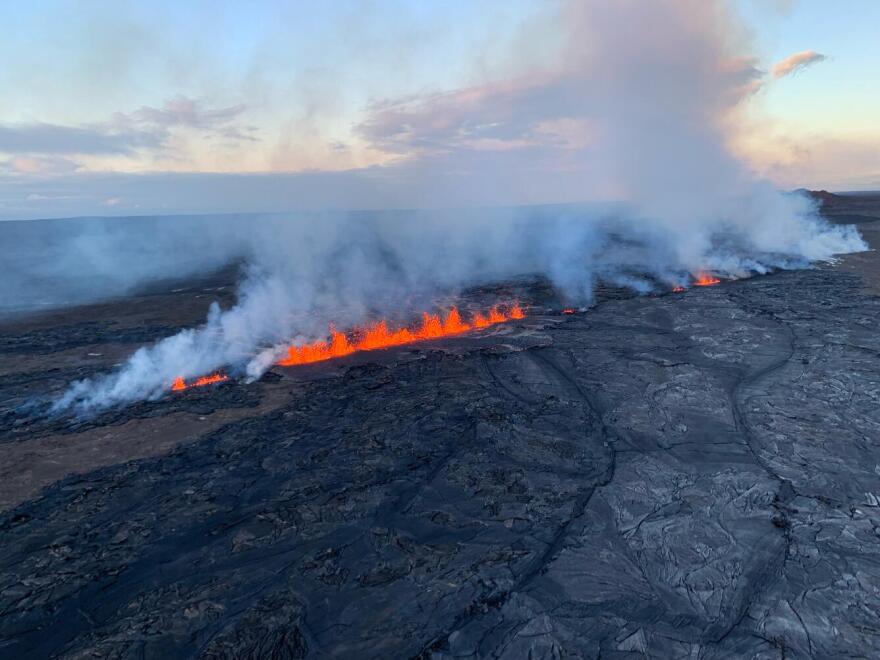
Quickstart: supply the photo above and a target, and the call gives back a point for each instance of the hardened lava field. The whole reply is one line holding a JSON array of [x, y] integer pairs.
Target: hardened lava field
[[693, 474]]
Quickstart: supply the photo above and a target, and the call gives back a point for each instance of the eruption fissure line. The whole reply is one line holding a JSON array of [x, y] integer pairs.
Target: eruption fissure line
[[701, 279], [180, 384], [378, 335]]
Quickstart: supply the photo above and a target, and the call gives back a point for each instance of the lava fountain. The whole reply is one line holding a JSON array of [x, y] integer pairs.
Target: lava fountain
[[700, 279], [180, 384], [378, 335]]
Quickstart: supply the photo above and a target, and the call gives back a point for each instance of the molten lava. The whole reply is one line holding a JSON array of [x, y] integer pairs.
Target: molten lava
[[568, 310], [180, 384], [378, 335], [677, 289], [705, 279]]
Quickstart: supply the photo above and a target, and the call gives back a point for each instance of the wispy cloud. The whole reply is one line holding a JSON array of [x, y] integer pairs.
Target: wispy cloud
[[546, 110], [502, 112], [796, 63], [55, 139], [187, 113], [42, 164], [147, 128]]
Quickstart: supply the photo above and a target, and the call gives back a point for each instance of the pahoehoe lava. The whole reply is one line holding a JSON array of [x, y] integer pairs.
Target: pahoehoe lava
[[694, 474]]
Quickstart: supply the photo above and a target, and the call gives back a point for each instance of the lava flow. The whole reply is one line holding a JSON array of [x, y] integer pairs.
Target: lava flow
[[180, 384], [700, 279], [378, 335]]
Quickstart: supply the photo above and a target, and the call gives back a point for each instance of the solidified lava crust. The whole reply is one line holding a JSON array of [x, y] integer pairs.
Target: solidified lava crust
[[691, 475]]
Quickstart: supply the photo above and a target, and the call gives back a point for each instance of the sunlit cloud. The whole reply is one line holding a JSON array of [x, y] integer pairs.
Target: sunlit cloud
[[183, 112], [797, 62], [38, 165], [144, 135], [490, 116], [528, 111]]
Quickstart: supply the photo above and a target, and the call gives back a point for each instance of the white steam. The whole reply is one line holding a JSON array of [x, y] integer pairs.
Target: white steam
[[655, 87]]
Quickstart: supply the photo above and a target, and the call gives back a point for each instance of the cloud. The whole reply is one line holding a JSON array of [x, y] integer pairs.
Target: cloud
[[623, 101], [494, 116], [815, 160], [55, 139], [551, 132], [125, 133], [563, 109], [187, 113], [38, 165], [794, 64]]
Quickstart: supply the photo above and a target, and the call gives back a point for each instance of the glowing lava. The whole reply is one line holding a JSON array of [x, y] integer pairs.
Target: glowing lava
[[677, 289], [705, 279], [378, 335], [180, 384], [568, 310]]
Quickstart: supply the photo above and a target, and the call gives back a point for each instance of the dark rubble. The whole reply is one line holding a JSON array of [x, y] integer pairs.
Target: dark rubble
[[679, 476]]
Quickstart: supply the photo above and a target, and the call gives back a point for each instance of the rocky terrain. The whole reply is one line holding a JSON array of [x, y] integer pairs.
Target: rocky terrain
[[690, 475]]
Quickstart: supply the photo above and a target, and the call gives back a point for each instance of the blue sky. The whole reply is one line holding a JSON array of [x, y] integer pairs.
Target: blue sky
[[842, 94], [109, 107]]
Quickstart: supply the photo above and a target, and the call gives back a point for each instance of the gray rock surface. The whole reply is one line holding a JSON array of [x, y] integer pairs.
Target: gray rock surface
[[692, 475]]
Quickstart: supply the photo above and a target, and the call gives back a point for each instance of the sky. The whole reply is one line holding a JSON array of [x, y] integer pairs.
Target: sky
[[111, 108]]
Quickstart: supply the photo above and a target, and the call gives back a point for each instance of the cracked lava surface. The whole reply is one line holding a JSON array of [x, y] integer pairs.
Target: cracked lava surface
[[688, 475]]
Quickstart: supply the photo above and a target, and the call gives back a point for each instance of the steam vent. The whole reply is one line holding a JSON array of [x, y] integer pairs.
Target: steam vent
[[439, 330]]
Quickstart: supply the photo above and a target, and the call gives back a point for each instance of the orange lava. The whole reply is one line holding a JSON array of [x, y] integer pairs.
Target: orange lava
[[180, 384], [705, 279], [378, 335], [568, 310]]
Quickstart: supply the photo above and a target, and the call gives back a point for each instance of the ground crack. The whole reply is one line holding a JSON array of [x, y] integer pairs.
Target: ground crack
[[495, 601]]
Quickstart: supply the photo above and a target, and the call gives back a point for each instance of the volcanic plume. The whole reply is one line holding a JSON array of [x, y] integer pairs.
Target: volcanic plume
[[651, 89]]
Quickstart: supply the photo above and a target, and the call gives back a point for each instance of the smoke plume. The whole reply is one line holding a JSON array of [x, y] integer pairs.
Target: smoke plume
[[640, 108]]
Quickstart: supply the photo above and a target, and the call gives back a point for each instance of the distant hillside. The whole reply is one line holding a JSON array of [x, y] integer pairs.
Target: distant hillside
[[847, 208], [821, 196]]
